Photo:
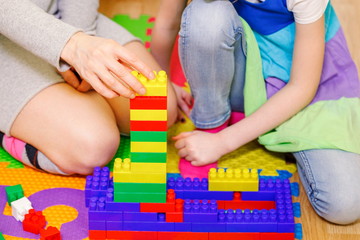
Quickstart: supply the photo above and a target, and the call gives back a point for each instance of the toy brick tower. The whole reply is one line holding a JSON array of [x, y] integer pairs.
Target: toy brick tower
[[142, 178]]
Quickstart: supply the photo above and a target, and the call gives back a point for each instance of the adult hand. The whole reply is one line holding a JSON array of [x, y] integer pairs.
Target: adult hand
[[73, 79], [198, 147], [105, 65]]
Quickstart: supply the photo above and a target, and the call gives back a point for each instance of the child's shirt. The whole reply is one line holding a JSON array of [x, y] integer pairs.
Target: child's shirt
[[273, 23]]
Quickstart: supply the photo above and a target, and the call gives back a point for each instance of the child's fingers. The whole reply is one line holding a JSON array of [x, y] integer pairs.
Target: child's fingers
[[183, 153], [183, 135], [180, 144]]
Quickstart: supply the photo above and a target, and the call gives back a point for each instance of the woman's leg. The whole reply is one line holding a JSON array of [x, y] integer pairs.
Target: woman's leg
[[211, 51], [331, 180], [76, 131]]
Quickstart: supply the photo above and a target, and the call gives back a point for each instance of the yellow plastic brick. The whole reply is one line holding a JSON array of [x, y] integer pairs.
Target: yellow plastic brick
[[148, 146], [123, 172], [154, 87], [148, 115], [233, 179], [148, 167]]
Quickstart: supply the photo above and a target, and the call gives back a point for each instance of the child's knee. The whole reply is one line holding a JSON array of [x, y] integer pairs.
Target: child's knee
[[340, 208]]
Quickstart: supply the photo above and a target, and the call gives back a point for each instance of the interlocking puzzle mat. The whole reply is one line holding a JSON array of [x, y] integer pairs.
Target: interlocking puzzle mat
[[62, 198]]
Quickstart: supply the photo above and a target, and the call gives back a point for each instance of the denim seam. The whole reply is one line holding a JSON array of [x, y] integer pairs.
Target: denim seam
[[309, 176], [239, 33]]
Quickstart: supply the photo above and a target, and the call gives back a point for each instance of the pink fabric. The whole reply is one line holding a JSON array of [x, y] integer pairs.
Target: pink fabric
[[236, 117], [14, 147], [177, 75], [188, 170]]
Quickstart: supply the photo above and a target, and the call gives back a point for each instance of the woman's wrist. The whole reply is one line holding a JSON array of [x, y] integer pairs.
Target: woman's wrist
[[68, 51]]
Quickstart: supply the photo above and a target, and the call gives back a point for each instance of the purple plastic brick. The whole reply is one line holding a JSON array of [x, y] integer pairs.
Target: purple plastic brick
[[250, 221], [183, 226], [196, 189], [97, 225], [140, 216], [200, 211], [114, 225], [284, 206]]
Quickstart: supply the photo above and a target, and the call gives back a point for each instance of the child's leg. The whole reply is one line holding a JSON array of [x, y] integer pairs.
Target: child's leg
[[212, 56], [331, 180]]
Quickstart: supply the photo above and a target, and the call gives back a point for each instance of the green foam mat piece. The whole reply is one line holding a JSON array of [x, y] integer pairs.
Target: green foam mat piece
[[139, 27], [6, 157], [122, 152]]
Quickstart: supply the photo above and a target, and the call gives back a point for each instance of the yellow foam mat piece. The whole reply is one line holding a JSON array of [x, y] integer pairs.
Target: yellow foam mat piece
[[251, 155]]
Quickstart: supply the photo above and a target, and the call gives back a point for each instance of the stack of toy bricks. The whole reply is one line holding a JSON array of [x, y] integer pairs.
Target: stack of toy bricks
[[142, 178]]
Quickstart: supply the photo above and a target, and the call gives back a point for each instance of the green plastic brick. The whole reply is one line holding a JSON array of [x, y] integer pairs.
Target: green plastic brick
[[148, 136], [140, 187], [148, 157], [14, 193], [140, 197]]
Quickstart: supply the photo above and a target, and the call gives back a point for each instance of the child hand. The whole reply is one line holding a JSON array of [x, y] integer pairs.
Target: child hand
[[105, 65], [184, 99], [199, 148]]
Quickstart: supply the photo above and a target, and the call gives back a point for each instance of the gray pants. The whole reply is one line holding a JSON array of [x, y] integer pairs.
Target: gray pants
[[23, 75]]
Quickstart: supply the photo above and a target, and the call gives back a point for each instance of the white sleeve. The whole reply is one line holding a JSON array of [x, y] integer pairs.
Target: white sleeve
[[307, 11]]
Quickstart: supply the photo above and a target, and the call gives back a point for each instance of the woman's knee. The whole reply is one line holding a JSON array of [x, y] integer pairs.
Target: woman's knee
[[92, 149]]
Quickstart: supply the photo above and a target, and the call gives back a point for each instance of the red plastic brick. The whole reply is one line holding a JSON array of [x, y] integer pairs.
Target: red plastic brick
[[174, 217], [132, 235], [234, 236], [183, 236], [51, 233], [277, 236], [149, 102], [148, 126], [34, 221], [97, 234]]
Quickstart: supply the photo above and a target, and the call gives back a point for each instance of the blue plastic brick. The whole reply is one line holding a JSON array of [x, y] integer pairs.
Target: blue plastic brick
[[297, 209], [295, 189], [298, 231]]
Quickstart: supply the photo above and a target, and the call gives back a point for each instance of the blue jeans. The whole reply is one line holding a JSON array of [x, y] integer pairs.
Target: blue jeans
[[212, 54], [331, 179]]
